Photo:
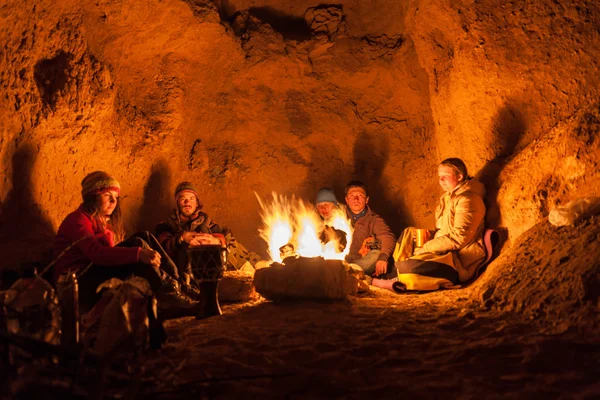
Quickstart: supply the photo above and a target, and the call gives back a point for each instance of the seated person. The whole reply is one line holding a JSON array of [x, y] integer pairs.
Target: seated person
[[456, 248], [187, 226], [328, 207], [372, 241], [85, 243], [326, 204]]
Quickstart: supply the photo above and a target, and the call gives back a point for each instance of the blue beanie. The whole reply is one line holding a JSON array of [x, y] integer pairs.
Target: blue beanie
[[326, 195]]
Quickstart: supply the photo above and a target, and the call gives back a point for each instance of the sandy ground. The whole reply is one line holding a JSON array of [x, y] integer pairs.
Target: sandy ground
[[528, 328], [379, 345]]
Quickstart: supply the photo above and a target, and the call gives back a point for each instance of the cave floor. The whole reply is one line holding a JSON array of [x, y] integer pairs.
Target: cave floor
[[376, 345], [537, 337]]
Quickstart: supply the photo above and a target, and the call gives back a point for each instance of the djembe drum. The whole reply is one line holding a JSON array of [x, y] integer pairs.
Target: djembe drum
[[207, 264]]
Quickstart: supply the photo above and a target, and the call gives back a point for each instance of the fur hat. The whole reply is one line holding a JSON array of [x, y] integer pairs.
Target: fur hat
[[99, 182], [326, 195], [186, 186]]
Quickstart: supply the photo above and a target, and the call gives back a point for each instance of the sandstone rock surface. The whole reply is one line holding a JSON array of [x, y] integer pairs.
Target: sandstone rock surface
[[256, 96], [245, 96], [236, 286]]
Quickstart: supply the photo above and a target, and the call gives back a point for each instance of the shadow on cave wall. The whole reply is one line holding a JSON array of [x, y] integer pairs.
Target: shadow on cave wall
[[52, 77], [321, 174], [290, 27], [509, 128], [370, 158], [371, 154], [23, 220], [158, 200]]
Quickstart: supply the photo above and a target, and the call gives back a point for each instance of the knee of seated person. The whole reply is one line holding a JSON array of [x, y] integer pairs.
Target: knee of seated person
[[405, 267], [151, 273], [372, 253], [145, 235], [368, 269], [408, 229], [139, 242]]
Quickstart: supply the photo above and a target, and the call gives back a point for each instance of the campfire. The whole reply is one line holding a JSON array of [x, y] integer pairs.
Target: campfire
[[293, 228]]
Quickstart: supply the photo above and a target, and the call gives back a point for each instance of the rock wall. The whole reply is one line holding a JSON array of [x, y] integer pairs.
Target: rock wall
[[511, 88], [550, 276], [246, 97]]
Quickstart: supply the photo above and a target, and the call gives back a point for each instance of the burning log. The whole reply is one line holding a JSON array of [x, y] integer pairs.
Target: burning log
[[306, 278], [287, 250]]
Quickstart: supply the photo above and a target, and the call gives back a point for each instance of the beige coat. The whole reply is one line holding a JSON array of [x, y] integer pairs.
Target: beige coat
[[460, 218]]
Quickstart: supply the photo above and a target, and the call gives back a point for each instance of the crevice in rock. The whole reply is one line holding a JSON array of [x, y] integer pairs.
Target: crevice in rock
[[325, 19], [384, 42], [51, 77], [203, 9], [290, 28]]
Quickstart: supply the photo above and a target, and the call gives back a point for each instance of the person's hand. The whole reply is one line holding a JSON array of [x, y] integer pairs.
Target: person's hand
[[149, 256], [380, 267], [195, 242], [365, 247], [188, 236], [201, 239], [206, 238], [418, 250]]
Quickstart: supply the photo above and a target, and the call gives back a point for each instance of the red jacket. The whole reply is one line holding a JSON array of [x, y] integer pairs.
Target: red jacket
[[97, 245]]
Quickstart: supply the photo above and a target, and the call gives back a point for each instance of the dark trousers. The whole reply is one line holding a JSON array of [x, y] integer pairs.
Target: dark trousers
[[182, 260], [96, 274], [426, 268]]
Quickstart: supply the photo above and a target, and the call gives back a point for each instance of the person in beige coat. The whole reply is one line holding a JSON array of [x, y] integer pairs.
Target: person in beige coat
[[451, 253]]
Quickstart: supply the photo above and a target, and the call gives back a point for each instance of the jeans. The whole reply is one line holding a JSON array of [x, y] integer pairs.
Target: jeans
[[367, 263]]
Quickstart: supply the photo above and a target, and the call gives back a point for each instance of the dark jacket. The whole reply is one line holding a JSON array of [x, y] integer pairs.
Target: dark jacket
[[95, 244], [167, 231], [368, 225]]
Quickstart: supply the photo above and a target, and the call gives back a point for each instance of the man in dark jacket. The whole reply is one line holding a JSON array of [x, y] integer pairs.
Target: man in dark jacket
[[187, 226], [373, 241]]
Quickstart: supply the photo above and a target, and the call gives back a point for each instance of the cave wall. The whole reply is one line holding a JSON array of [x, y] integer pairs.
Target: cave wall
[[246, 97], [156, 93], [514, 92]]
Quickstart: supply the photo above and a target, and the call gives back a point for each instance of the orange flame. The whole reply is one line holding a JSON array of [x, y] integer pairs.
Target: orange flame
[[293, 221]]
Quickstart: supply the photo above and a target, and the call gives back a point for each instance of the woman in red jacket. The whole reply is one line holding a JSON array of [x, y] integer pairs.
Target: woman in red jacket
[[85, 244]]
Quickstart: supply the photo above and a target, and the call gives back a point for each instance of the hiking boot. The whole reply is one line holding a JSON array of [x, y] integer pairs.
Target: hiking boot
[[170, 285], [194, 282], [174, 304], [191, 291], [398, 287]]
